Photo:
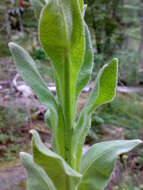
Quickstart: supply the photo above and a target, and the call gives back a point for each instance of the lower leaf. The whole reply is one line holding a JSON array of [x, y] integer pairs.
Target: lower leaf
[[62, 175], [37, 177], [98, 163]]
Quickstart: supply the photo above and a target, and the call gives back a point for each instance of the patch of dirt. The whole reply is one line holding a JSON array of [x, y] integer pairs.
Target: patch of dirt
[[13, 178]]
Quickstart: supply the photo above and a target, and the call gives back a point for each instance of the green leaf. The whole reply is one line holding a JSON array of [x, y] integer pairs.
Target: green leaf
[[37, 177], [98, 163], [86, 68], [78, 139], [81, 5], [62, 175], [84, 123], [37, 6], [104, 89], [48, 118], [58, 132], [62, 37], [28, 71]]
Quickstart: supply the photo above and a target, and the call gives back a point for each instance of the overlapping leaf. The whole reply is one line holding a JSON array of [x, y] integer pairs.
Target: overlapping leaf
[[78, 139], [37, 177], [86, 68], [62, 37], [62, 175], [104, 91]]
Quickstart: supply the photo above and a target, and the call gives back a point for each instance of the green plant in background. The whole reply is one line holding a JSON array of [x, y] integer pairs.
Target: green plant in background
[[123, 114], [11, 120], [65, 38], [117, 31], [106, 19]]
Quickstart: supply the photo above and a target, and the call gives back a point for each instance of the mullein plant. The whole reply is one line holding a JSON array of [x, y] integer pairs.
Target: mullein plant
[[65, 38]]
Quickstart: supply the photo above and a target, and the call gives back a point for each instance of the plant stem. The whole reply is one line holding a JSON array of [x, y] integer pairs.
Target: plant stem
[[67, 109]]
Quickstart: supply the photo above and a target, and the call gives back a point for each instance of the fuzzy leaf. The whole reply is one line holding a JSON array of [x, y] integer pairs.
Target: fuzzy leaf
[[62, 175], [28, 71], [62, 37], [104, 89], [86, 67], [78, 139], [84, 122], [37, 177], [98, 163], [81, 5]]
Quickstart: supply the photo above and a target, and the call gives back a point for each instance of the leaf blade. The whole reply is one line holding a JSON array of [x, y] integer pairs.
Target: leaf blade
[[86, 68], [98, 163], [102, 92], [67, 37], [78, 139], [52, 162], [28, 71], [37, 178], [104, 89], [62, 37]]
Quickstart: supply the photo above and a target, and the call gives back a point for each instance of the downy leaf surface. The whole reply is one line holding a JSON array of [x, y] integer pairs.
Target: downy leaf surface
[[62, 37], [98, 163], [81, 3], [28, 71], [78, 139], [103, 91], [86, 68], [62, 175], [37, 177]]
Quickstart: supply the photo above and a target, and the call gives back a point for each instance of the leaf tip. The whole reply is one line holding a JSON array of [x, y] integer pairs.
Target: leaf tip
[[35, 137], [11, 45], [34, 134], [22, 155], [33, 131], [116, 60], [138, 141]]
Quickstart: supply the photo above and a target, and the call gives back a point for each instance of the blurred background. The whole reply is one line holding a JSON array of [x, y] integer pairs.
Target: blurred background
[[116, 28]]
